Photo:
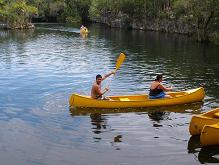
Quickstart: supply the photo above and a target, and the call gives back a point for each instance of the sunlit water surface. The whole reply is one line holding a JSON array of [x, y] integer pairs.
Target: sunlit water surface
[[41, 68]]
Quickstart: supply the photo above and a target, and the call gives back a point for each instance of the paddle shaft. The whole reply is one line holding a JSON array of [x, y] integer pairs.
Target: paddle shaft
[[119, 62]]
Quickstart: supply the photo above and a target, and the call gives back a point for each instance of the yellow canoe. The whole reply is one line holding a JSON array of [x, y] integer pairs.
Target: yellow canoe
[[210, 135], [199, 121], [183, 97]]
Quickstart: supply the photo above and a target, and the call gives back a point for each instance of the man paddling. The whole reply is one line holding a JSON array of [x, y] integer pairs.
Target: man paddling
[[96, 92]]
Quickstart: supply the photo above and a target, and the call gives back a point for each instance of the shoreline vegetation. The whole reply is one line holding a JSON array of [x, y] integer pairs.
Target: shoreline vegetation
[[199, 19]]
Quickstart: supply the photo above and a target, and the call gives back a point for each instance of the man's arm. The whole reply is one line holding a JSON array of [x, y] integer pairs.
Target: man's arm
[[107, 75]]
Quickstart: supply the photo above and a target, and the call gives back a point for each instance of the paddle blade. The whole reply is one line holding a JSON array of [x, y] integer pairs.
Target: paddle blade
[[120, 60]]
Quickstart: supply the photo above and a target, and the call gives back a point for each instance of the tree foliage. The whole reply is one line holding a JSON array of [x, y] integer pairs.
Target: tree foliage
[[203, 14], [17, 13], [76, 10], [46, 8]]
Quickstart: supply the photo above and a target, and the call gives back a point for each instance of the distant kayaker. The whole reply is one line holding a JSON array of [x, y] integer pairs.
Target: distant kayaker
[[82, 27], [157, 90], [96, 92]]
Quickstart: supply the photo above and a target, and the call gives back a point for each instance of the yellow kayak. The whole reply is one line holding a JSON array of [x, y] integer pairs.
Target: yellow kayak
[[84, 30], [210, 135], [182, 97], [199, 121]]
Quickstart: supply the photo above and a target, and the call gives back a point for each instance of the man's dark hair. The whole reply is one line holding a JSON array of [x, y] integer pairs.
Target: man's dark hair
[[98, 76]]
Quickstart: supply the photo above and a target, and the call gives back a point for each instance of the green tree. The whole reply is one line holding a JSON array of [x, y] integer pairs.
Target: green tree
[[17, 14], [77, 10], [48, 8], [201, 14]]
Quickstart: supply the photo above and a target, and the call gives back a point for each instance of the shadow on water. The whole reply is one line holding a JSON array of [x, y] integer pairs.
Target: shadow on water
[[209, 154], [194, 108]]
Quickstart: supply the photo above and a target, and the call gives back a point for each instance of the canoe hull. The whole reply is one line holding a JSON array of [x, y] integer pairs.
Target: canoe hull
[[125, 101], [199, 121], [210, 135]]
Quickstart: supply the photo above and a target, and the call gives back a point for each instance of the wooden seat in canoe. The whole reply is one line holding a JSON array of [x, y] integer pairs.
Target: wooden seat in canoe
[[124, 99]]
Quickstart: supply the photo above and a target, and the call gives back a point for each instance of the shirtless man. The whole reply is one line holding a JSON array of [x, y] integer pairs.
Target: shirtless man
[[96, 92]]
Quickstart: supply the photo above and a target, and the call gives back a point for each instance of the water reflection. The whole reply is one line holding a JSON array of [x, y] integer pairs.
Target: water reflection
[[156, 113], [99, 123], [84, 35], [117, 139], [194, 145], [19, 36], [209, 154], [157, 116]]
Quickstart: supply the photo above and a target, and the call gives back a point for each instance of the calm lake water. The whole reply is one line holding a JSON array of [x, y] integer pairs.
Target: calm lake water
[[41, 68]]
